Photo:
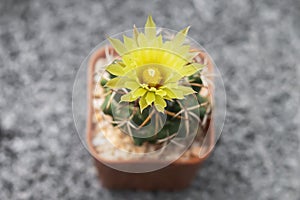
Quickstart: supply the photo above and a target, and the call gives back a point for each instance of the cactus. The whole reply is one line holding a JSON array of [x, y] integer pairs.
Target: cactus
[[153, 92]]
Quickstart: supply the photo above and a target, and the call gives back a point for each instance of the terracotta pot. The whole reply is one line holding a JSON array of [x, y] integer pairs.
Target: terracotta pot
[[175, 176]]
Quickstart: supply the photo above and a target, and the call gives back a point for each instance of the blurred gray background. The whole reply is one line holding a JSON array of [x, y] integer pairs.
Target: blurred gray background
[[256, 45]]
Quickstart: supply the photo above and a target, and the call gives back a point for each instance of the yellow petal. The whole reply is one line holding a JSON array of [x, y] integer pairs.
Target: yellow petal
[[115, 83], [118, 46], [160, 103], [183, 50], [173, 77], [150, 22], [159, 108], [158, 42], [170, 93], [150, 97], [167, 45], [115, 69], [128, 97], [142, 40], [129, 61], [129, 43], [170, 85], [143, 104], [180, 37], [174, 93], [150, 28], [185, 31], [190, 69], [179, 94], [168, 98], [161, 92], [191, 55], [132, 85], [139, 92], [186, 90]]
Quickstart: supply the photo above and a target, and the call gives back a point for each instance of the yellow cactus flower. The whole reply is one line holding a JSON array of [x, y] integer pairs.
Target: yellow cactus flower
[[152, 69]]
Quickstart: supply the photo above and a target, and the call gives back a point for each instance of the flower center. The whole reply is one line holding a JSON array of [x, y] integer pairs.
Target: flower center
[[152, 76]]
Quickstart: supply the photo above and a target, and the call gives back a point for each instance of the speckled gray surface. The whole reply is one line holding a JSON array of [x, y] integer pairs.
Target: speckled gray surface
[[256, 45]]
